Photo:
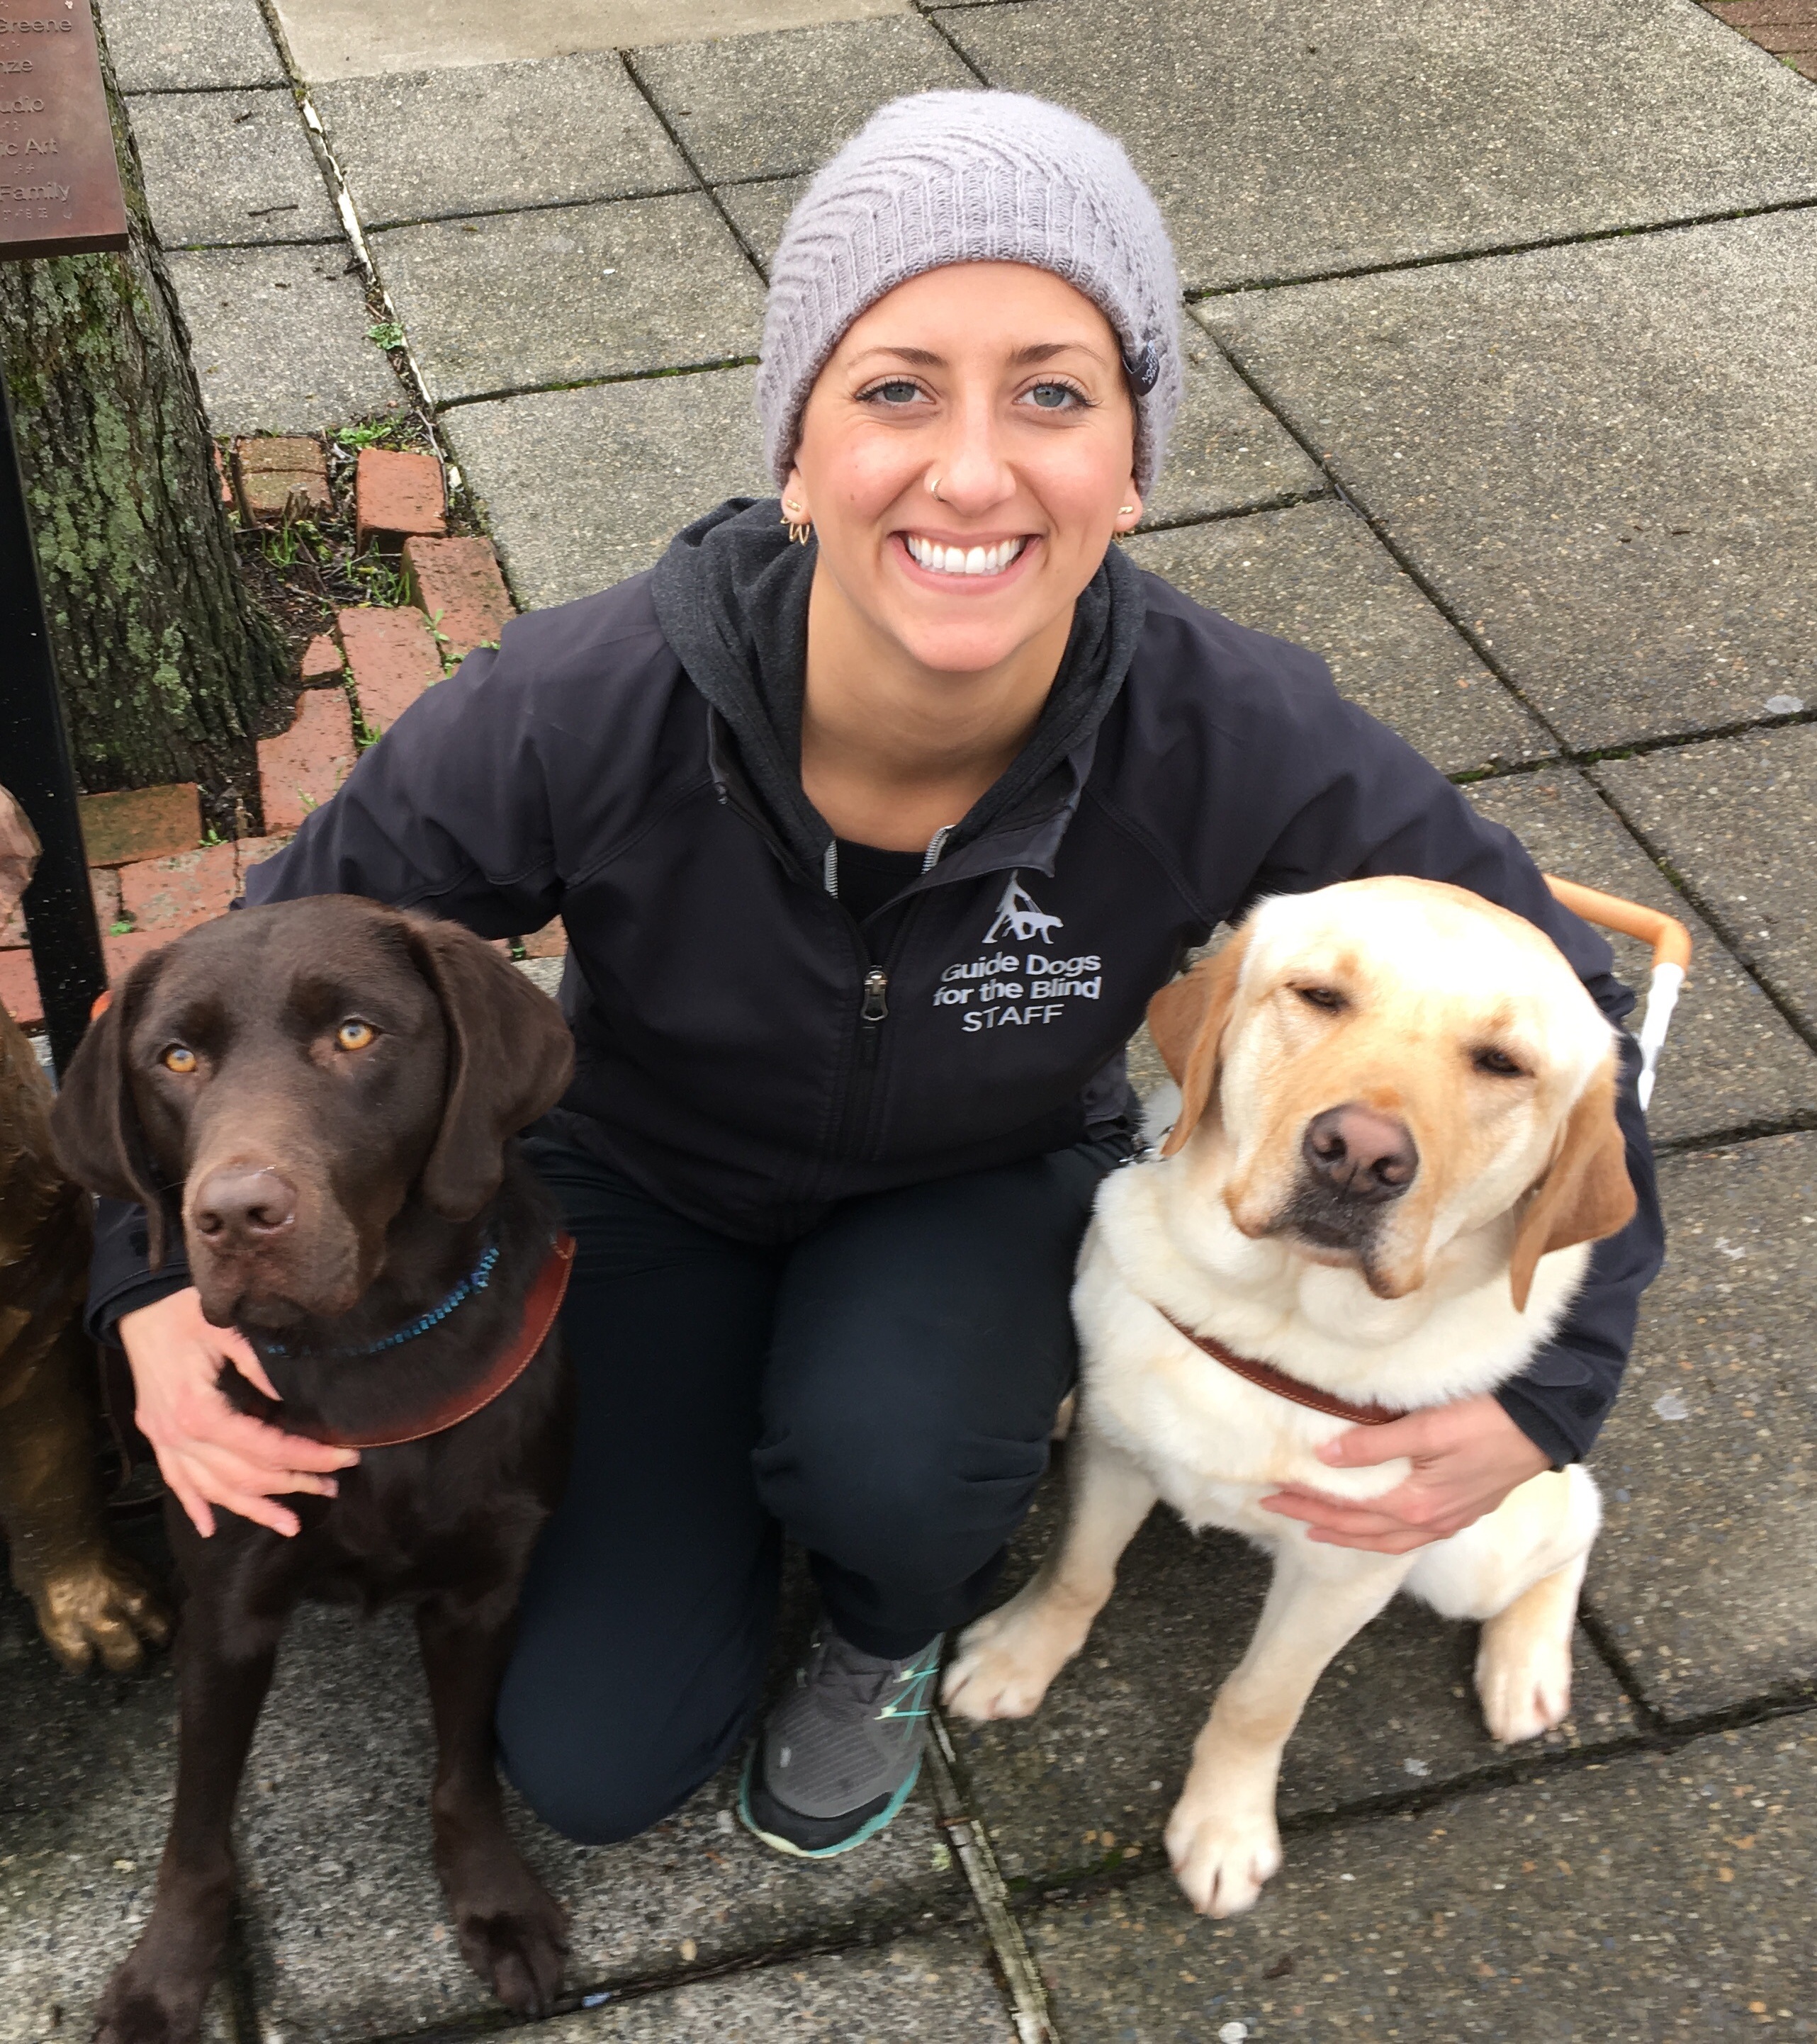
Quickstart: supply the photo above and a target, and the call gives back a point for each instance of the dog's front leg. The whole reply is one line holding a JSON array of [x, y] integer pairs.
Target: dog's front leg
[[225, 1657], [1006, 1661], [1222, 1837], [513, 1932]]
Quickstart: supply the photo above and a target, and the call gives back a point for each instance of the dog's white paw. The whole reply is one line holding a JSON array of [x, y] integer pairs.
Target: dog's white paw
[[1221, 1856], [1006, 1661], [1524, 1685]]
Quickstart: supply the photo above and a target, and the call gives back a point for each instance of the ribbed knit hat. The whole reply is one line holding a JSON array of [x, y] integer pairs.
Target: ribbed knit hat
[[972, 177]]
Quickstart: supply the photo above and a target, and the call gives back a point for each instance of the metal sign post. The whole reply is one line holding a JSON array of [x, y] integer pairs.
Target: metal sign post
[[59, 195]]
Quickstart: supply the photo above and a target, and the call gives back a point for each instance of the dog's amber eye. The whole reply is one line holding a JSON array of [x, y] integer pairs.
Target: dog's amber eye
[[1497, 1064], [180, 1060], [1325, 997], [355, 1036]]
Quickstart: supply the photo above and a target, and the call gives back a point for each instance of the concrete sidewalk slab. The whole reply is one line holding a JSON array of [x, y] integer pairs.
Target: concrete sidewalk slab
[[279, 338], [1738, 819], [347, 1925], [582, 488], [761, 212], [353, 39], [224, 169], [431, 145], [168, 45], [87, 1772], [514, 301], [1732, 1062], [1709, 1463], [1088, 1781], [1316, 574], [1293, 138], [1226, 452], [1665, 1896], [929, 1990], [757, 106], [1604, 457]]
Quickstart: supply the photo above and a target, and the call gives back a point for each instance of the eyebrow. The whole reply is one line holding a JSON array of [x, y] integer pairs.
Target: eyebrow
[[1035, 351]]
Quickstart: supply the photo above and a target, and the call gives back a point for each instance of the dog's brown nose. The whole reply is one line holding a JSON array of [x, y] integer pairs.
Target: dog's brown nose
[[1360, 1153], [237, 1206]]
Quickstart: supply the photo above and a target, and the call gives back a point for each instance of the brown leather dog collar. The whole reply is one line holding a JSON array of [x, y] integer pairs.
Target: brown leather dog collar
[[544, 1302], [1266, 1377]]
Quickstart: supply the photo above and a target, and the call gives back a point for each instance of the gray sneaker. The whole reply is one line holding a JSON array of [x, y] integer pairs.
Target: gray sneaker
[[841, 1751]]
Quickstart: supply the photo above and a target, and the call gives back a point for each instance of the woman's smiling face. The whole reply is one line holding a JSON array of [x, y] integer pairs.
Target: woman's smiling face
[[966, 455]]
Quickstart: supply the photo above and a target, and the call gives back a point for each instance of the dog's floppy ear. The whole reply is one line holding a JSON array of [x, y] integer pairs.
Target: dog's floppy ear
[[1186, 1020], [1586, 1192], [510, 1059], [95, 1128]]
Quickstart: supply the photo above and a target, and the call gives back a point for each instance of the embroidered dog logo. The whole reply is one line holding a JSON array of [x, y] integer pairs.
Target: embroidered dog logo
[[1018, 917]]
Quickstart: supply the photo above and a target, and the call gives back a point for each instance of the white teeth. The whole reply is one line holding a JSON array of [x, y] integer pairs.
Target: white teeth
[[940, 559]]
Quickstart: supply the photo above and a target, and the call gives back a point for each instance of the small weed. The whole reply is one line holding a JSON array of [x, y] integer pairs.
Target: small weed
[[379, 432], [387, 333], [210, 838], [122, 928], [287, 544], [382, 581]]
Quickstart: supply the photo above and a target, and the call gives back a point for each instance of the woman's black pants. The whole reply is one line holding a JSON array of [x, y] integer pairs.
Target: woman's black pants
[[880, 1391]]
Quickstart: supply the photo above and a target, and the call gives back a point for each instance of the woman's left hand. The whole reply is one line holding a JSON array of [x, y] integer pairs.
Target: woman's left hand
[[1466, 1459]]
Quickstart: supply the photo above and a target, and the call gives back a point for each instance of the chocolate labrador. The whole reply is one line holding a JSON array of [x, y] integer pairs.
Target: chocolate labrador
[[324, 1093]]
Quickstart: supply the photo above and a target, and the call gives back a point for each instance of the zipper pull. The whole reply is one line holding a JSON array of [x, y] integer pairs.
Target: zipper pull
[[877, 986]]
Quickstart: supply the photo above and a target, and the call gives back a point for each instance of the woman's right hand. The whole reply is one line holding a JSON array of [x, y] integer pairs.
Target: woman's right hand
[[209, 1454]]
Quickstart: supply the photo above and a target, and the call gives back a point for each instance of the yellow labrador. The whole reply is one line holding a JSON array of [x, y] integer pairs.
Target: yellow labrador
[[1395, 1139]]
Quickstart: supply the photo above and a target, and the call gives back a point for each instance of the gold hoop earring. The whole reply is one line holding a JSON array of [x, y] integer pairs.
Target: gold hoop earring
[[1123, 510], [799, 527]]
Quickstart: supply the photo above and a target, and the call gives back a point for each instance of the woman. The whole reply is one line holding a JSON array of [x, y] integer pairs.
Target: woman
[[871, 853]]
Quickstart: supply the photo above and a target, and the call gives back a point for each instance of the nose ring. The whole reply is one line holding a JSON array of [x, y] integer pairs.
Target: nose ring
[[933, 485]]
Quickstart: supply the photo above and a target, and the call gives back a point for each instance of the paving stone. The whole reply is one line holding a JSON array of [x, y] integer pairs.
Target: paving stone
[[279, 338], [1731, 1061], [248, 851], [1296, 139], [165, 45], [19, 994], [223, 169], [86, 1773], [348, 1924], [104, 885], [456, 585], [393, 657], [396, 495], [510, 301], [1315, 574], [140, 823], [581, 488], [300, 770], [170, 895], [1738, 819], [761, 211], [1709, 1461], [1604, 457], [816, 86], [1226, 453], [1662, 1895], [321, 661], [935, 1989], [432, 145], [1087, 1782], [282, 476], [351, 38]]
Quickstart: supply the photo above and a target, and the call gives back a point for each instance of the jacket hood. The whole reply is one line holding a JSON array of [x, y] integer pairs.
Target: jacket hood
[[731, 595]]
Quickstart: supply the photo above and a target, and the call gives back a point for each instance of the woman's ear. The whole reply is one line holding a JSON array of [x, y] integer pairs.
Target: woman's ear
[[1130, 510], [1188, 1020], [95, 1129], [1586, 1192], [510, 1057]]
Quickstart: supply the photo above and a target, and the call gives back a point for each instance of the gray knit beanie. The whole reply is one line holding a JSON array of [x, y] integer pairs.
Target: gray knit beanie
[[972, 177]]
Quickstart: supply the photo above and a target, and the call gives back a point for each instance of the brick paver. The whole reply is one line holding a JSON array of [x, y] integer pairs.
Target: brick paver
[[393, 657], [457, 585], [299, 771]]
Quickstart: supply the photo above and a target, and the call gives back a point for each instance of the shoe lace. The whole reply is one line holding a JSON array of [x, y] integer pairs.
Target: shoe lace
[[854, 1685]]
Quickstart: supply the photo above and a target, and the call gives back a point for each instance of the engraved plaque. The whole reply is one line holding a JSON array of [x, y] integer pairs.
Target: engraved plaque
[[59, 186]]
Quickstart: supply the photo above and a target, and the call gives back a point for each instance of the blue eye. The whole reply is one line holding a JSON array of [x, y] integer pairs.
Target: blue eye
[[897, 391], [1055, 397]]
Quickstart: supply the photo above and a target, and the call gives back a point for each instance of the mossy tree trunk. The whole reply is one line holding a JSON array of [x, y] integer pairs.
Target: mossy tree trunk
[[165, 662]]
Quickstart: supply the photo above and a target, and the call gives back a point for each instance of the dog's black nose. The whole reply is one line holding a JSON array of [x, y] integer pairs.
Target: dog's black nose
[[1360, 1154], [237, 1206]]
